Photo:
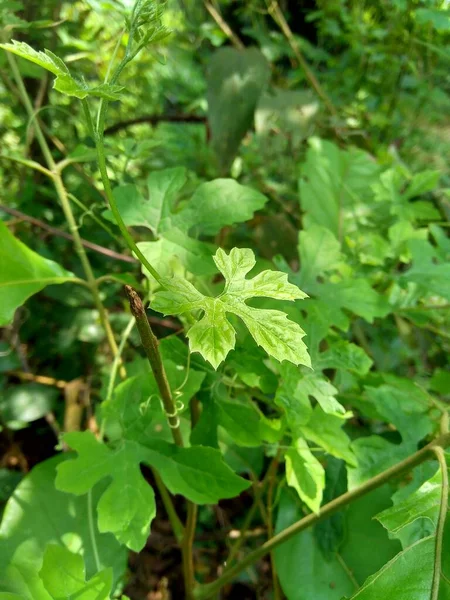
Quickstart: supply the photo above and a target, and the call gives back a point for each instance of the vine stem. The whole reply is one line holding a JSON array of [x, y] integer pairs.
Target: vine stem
[[61, 191], [209, 590], [97, 133], [440, 525], [150, 344]]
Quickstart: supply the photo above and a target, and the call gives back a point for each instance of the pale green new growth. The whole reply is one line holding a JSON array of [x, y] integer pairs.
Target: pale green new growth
[[213, 336], [305, 473]]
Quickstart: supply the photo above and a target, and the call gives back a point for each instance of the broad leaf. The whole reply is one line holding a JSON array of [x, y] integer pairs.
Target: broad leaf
[[213, 335], [36, 515], [176, 251], [374, 454], [236, 79], [154, 211], [319, 251], [23, 273], [64, 82], [301, 567], [305, 473], [333, 183], [416, 516], [63, 576], [407, 576], [127, 507], [218, 203]]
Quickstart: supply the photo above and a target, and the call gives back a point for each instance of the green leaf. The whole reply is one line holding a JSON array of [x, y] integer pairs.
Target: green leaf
[[155, 211], [306, 572], [235, 79], [406, 407], [330, 533], [127, 507], [301, 567], [213, 335], [135, 410], [240, 420], [326, 431], [63, 576], [439, 19], [176, 251], [374, 454], [305, 473], [416, 516], [64, 81], [27, 402], [23, 273], [344, 355], [407, 576], [428, 270], [218, 203], [319, 252], [291, 397], [37, 515], [333, 183], [198, 473], [363, 533]]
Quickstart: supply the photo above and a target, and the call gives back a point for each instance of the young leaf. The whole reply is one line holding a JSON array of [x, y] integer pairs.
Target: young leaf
[[23, 273], [63, 576], [64, 82], [326, 431], [214, 336], [305, 473]]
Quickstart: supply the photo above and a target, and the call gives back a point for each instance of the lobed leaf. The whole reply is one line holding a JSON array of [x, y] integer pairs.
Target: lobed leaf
[[213, 335], [64, 82]]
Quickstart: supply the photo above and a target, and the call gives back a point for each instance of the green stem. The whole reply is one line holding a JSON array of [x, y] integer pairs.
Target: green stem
[[176, 524], [187, 550], [65, 205], [94, 217], [207, 591], [79, 248], [115, 211], [441, 524], [101, 159]]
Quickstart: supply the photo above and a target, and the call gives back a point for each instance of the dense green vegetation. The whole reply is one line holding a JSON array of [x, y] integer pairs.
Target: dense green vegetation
[[225, 299]]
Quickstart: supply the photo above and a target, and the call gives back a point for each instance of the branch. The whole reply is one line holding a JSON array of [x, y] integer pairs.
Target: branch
[[150, 344], [209, 590], [224, 26], [154, 120], [278, 17], [67, 236]]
